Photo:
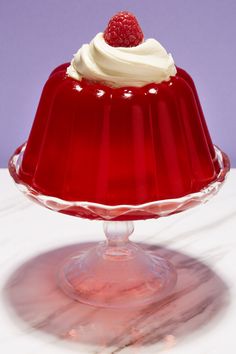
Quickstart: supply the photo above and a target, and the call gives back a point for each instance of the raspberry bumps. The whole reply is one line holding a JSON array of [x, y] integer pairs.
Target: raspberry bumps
[[123, 30]]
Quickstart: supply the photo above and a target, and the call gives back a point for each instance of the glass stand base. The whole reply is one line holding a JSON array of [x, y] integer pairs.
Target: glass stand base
[[117, 273]]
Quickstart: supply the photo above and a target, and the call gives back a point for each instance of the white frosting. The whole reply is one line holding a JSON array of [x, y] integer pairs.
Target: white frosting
[[119, 66]]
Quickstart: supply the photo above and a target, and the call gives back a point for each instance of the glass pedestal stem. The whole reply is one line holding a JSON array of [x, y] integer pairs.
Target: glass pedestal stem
[[117, 273]]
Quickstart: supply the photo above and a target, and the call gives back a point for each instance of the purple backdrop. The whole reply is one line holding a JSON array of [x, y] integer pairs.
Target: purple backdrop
[[36, 36]]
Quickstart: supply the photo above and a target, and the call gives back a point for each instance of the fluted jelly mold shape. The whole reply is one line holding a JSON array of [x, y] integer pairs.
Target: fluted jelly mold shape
[[115, 146]]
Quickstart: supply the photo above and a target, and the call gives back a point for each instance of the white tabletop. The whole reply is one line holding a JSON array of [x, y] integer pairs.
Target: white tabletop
[[36, 317]]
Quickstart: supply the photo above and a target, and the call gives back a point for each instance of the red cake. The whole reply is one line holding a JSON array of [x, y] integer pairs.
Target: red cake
[[111, 143]]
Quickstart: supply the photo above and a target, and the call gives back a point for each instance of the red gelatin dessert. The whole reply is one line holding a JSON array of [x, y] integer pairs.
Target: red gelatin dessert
[[119, 125]]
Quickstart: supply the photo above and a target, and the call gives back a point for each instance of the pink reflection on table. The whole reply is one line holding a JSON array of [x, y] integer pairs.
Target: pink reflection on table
[[199, 295]]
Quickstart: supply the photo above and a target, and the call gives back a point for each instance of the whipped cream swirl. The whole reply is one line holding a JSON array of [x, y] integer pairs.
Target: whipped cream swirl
[[119, 66]]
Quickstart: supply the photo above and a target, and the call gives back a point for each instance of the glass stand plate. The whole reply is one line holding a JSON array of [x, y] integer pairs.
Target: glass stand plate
[[118, 273], [98, 211]]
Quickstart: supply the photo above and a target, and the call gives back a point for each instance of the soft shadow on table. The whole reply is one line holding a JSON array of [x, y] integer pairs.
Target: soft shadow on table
[[32, 292]]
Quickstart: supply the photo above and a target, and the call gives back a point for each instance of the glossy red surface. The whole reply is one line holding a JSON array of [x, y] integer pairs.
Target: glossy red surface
[[130, 145]]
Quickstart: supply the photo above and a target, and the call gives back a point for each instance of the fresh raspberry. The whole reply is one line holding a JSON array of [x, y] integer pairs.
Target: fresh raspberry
[[123, 30]]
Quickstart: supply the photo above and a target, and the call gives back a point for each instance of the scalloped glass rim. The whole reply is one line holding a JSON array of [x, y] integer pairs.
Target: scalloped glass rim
[[91, 210]]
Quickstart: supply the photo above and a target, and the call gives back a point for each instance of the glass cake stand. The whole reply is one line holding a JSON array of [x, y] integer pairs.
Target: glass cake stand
[[118, 273]]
